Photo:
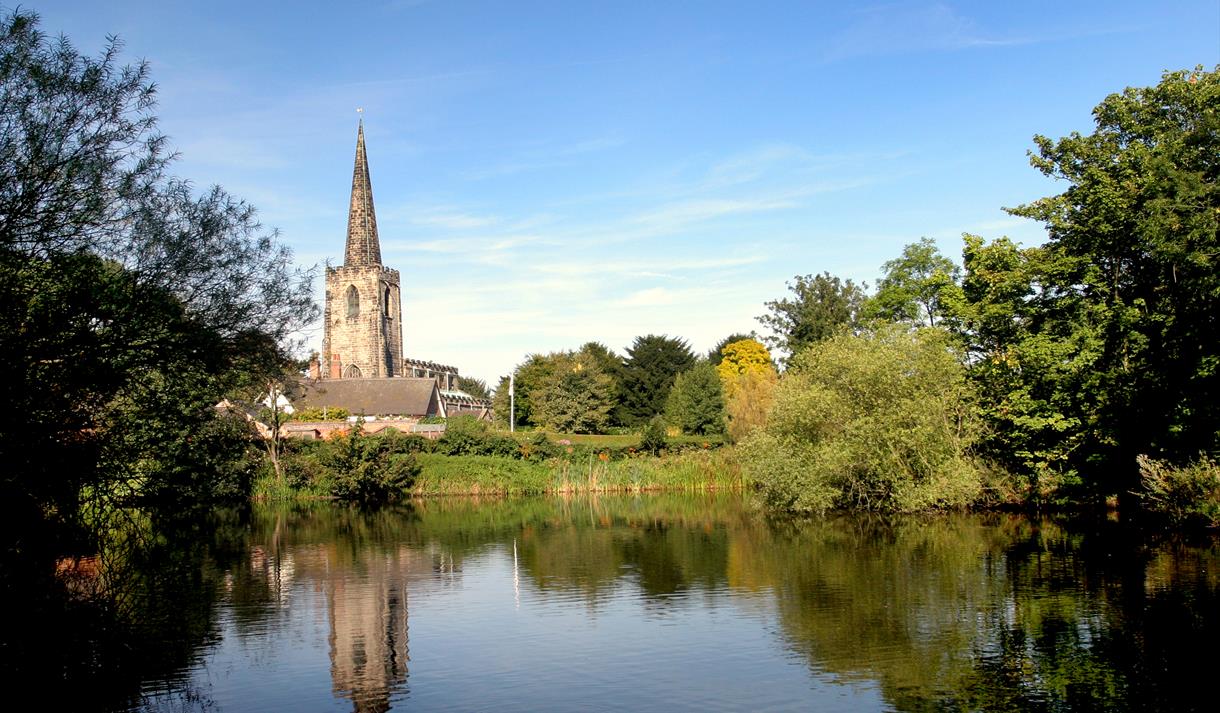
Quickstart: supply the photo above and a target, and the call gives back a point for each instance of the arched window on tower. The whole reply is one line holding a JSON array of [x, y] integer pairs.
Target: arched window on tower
[[387, 301], [353, 302], [352, 372]]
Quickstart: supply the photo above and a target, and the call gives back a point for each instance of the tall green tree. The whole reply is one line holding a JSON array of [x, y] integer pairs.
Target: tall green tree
[[529, 376], [696, 401], [578, 396], [653, 363], [129, 302], [911, 286], [1031, 360], [820, 306], [1135, 245]]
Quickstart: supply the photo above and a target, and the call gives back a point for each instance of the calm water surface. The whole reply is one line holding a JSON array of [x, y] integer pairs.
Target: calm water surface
[[681, 602]]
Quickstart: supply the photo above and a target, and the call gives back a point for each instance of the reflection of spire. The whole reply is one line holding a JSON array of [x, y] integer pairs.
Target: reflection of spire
[[516, 577], [368, 629]]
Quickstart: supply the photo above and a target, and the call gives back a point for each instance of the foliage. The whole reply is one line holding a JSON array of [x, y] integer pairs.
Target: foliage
[[607, 361], [1183, 494], [128, 304], [911, 286], [820, 306], [653, 437], [717, 352], [467, 435], [696, 401], [748, 399], [653, 363], [745, 356], [316, 413], [578, 396], [879, 421], [531, 376], [355, 467], [1103, 343], [474, 387], [583, 471]]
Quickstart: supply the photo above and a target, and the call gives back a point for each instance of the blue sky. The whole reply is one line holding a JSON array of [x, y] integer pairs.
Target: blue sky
[[546, 174]]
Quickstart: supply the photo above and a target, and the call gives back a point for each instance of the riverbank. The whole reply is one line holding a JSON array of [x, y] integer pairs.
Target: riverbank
[[703, 470], [686, 471]]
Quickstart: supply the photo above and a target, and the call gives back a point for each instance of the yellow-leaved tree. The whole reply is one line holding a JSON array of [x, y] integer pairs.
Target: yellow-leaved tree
[[749, 379]]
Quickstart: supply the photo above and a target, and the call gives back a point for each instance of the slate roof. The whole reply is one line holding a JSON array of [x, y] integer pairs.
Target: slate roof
[[391, 396]]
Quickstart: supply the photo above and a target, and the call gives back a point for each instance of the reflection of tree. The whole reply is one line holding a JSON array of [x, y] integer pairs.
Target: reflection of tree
[[991, 612]]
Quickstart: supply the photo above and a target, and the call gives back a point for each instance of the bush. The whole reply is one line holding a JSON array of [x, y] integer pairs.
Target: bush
[[1187, 494], [354, 467], [468, 436], [879, 421], [653, 439]]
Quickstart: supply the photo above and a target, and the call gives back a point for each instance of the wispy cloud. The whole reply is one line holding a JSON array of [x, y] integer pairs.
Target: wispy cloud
[[539, 158], [911, 27]]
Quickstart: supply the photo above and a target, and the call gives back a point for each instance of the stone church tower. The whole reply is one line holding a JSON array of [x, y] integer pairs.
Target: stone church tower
[[363, 317]]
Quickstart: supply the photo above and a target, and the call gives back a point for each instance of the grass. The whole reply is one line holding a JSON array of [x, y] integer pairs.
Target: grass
[[690, 471]]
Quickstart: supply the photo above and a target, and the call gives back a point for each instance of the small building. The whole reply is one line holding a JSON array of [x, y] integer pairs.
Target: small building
[[394, 398]]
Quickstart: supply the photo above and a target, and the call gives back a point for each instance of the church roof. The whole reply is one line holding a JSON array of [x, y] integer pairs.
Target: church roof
[[391, 396], [363, 246]]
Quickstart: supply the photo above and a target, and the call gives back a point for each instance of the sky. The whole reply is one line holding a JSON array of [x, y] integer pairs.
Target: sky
[[548, 174]]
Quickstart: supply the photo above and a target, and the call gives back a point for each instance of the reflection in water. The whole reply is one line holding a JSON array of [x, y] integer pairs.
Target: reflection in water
[[697, 602], [368, 628]]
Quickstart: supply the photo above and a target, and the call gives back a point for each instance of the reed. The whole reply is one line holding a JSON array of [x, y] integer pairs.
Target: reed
[[689, 471]]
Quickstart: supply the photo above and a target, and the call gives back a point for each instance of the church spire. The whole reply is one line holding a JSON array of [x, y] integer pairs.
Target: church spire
[[363, 247]]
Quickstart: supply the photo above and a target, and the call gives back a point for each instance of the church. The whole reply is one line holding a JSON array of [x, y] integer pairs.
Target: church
[[362, 367]]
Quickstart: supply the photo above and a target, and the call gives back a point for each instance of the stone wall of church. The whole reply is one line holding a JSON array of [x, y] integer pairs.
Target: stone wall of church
[[363, 317]]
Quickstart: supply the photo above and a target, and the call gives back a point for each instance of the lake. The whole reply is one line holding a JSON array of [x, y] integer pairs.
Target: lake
[[672, 602]]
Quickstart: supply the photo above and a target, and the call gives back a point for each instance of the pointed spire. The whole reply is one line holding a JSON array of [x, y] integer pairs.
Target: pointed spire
[[363, 247]]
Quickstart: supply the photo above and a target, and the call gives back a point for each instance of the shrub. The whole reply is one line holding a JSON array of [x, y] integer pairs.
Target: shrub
[[879, 421], [652, 439], [468, 436], [1185, 494], [321, 414], [354, 467]]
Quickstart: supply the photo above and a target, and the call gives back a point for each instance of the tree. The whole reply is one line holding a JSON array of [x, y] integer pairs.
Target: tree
[[576, 398], [821, 306], [696, 401], [128, 303], [529, 376], [882, 420], [747, 402], [611, 365], [474, 387], [745, 356], [748, 376], [1134, 243], [910, 289], [716, 354], [1031, 362], [653, 363]]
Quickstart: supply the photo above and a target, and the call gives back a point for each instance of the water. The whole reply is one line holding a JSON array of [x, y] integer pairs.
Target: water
[[677, 603]]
